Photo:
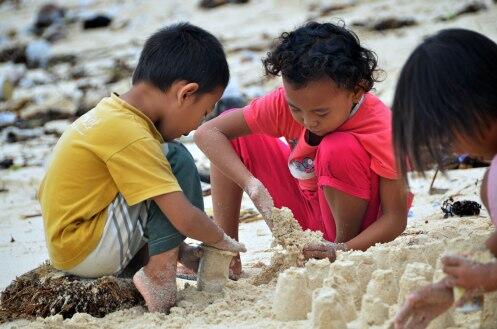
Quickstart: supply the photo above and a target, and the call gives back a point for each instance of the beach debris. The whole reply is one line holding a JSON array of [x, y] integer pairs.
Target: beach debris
[[48, 15], [330, 8], [208, 4], [96, 21], [205, 176], [6, 163], [468, 8], [13, 134], [38, 53], [206, 191], [232, 98], [56, 127], [33, 215], [46, 291], [460, 208], [386, 23], [6, 90], [120, 70], [13, 52], [7, 119], [249, 215]]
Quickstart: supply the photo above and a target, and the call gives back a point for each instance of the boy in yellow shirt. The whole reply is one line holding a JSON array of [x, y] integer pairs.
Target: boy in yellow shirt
[[117, 180]]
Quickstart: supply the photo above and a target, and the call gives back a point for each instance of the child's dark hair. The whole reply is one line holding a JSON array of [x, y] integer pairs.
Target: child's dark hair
[[446, 88], [183, 52], [316, 50]]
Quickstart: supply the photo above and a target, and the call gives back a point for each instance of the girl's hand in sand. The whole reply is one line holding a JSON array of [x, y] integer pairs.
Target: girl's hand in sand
[[473, 276], [423, 305], [229, 244], [260, 196], [321, 251]]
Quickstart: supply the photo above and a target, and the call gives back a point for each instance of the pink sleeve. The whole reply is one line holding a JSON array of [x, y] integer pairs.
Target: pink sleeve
[[269, 114]]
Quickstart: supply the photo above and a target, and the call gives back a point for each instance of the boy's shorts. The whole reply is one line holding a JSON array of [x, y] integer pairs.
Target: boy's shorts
[[128, 228], [122, 238]]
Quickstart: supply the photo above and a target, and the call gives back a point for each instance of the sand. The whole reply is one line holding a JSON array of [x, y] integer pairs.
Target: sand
[[345, 294]]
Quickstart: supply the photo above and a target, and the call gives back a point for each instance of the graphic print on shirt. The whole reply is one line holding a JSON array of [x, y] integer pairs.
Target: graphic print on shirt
[[86, 122], [301, 163]]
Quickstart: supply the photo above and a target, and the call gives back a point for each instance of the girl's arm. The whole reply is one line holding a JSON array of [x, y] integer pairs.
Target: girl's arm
[[348, 212], [392, 223], [213, 138]]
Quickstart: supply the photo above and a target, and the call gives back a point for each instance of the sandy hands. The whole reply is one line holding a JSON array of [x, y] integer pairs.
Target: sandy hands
[[322, 250], [261, 198], [424, 305], [473, 276], [229, 244]]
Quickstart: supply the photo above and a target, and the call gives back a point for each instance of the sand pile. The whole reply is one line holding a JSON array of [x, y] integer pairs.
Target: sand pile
[[365, 289], [45, 291], [291, 239], [358, 290]]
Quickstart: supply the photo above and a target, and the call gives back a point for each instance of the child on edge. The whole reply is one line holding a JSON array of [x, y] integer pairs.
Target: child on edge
[[336, 171], [118, 181], [446, 101]]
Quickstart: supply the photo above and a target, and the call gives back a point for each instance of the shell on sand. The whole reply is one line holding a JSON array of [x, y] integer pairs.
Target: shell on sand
[[46, 291]]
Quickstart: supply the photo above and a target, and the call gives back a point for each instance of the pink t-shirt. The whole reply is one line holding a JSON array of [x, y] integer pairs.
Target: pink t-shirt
[[371, 125]]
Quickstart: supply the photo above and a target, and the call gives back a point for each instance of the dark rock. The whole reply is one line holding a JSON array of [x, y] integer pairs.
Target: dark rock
[[6, 163], [469, 8], [96, 22], [208, 4], [49, 14], [392, 23], [13, 52]]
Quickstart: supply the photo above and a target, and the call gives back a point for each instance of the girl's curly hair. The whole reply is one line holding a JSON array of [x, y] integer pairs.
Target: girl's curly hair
[[316, 50]]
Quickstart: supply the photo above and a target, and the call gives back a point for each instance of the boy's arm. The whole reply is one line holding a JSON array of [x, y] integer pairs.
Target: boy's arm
[[192, 222], [213, 138], [393, 221]]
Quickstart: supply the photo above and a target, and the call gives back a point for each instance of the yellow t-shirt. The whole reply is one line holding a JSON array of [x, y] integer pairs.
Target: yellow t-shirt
[[114, 148]]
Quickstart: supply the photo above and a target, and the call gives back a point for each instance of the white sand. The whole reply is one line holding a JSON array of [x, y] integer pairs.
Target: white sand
[[347, 293]]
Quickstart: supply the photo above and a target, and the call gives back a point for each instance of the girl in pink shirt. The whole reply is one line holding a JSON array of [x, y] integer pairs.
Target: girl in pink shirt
[[320, 145], [446, 101]]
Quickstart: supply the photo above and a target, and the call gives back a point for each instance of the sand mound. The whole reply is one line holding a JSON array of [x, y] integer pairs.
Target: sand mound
[[45, 291], [292, 239]]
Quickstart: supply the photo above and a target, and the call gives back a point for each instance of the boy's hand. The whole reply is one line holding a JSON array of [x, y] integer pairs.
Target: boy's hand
[[424, 305], [322, 250], [260, 196], [470, 275], [229, 244]]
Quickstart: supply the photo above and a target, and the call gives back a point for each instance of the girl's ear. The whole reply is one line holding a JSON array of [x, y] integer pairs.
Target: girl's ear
[[187, 90], [357, 94]]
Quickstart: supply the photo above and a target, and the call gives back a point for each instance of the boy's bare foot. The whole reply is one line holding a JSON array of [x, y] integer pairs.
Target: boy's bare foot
[[158, 291]]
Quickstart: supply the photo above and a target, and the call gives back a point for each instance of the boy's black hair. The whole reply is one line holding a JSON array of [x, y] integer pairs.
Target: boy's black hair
[[316, 50], [183, 52], [446, 88]]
